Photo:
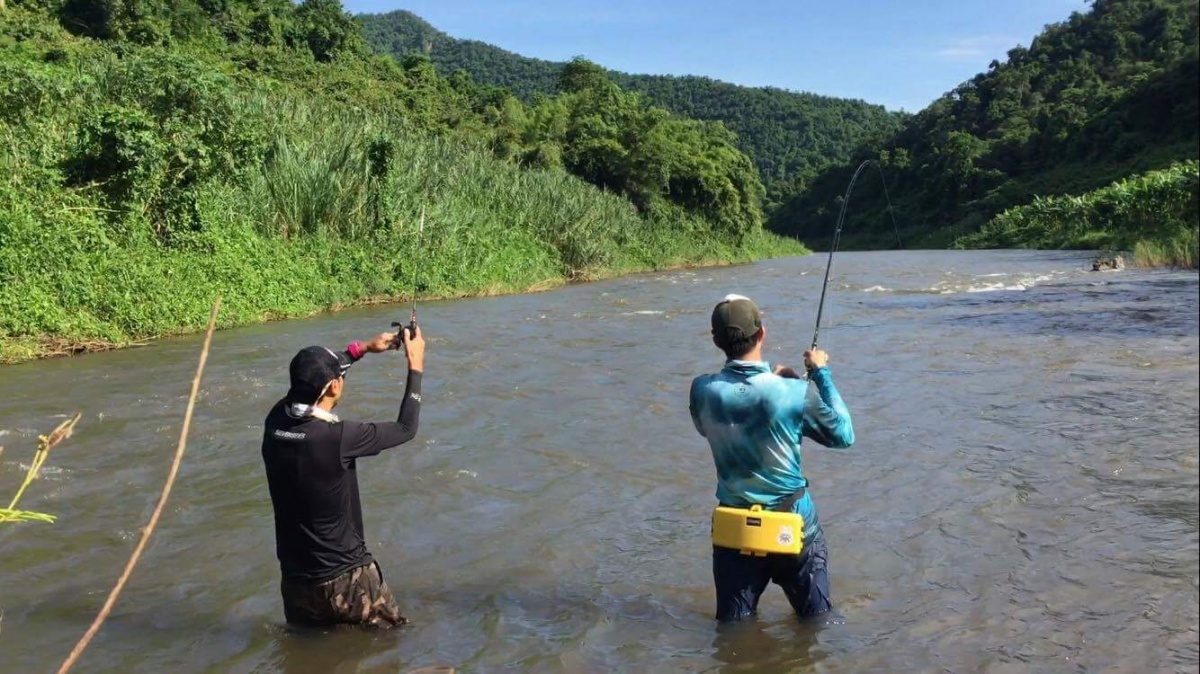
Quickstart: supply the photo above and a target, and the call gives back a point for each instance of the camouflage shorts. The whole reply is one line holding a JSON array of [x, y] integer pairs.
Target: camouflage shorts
[[358, 596]]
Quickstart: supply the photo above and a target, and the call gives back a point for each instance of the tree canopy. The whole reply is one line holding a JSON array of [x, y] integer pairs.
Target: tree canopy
[[790, 136], [1106, 94], [588, 126]]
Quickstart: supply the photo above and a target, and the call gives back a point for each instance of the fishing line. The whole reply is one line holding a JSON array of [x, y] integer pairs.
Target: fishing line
[[837, 236], [412, 315]]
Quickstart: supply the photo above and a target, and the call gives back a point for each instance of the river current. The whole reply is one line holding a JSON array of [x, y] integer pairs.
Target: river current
[[1022, 496]]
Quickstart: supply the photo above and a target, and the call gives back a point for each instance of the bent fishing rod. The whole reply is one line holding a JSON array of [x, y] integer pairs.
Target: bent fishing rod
[[412, 315], [837, 236]]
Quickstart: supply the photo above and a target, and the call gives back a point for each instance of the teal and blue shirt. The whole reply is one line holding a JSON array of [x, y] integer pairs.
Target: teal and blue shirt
[[754, 422]]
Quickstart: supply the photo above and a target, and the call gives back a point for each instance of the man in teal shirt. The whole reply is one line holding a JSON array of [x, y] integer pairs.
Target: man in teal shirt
[[754, 418]]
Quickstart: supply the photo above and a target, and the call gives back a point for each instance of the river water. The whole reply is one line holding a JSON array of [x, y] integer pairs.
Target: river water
[[1022, 495]]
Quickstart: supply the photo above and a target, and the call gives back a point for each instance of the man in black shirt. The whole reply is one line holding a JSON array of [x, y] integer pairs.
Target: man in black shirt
[[311, 463]]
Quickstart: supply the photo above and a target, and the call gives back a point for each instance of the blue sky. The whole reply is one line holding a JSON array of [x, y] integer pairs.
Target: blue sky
[[899, 53]]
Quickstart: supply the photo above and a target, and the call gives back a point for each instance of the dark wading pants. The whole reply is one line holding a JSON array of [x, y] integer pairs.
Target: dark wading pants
[[741, 580], [358, 597]]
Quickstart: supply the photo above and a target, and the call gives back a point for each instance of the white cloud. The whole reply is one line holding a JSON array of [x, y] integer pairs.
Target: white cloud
[[570, 14], [977, 48]]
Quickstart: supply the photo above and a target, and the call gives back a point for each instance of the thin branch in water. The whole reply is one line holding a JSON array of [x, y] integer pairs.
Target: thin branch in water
[[162, 501], [45, 444]]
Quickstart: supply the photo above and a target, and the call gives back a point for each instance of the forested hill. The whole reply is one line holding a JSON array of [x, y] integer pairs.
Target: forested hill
[[156, 153], [790, 136], [1108, 93]]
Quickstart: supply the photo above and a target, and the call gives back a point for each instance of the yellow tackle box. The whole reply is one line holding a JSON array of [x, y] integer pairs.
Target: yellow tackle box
[[755, 531]]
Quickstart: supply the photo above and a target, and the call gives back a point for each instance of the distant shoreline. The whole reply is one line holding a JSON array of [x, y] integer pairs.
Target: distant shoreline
[[29, 349]]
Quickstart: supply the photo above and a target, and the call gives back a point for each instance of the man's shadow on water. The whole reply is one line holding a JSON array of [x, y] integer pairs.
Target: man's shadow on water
[[341, 650], [757, 645], [784, 644], [349, 649]]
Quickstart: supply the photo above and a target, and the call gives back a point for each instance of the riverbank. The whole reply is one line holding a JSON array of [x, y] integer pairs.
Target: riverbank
[[309, 297], [1154, 215]]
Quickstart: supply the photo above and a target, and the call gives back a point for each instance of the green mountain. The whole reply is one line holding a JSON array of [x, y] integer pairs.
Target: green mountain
[[1107, 94], [790, 136]]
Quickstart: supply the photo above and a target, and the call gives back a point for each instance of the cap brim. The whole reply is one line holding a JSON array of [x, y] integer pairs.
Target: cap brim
[[344, 363]]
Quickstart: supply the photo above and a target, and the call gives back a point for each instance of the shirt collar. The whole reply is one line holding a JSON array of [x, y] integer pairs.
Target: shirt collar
[[747, 367], [301, 411]]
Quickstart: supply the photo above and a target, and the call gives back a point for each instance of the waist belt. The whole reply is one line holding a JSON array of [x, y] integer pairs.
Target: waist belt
[[785, 506], [759, 532]]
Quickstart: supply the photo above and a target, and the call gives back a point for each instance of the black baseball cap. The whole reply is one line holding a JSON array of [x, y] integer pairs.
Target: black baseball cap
[[312, 369], [735, 318]]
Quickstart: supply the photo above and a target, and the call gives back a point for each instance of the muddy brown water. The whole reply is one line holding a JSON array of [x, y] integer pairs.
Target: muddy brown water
[[1022, 495]]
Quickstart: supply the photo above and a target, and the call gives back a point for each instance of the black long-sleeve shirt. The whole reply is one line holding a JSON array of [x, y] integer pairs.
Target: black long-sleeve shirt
[[312, 476]]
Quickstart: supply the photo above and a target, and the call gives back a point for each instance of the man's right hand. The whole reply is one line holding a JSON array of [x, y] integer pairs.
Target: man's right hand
[[384, 342], [414, 347], [815, 358], [786, 372]]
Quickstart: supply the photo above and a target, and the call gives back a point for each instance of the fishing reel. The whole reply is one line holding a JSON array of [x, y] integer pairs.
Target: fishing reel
[[410, 328]]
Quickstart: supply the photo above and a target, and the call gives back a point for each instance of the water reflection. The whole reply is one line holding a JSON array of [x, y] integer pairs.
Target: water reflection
[[757, 645], [339, 651]]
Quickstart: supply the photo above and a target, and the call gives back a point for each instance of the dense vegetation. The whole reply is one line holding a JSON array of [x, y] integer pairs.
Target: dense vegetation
[[613, 139], [156, 152], [1104, 95], [1154, 215], [790, 136]]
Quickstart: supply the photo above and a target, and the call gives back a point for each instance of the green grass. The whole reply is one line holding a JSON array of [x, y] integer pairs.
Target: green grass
[[1181, 250], [1156, 215]]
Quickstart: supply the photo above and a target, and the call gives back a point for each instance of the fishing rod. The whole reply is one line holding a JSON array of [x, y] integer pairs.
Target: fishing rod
[[837, 236], [412, 315]]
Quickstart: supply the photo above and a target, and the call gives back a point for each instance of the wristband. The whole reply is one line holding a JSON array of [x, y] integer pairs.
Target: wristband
[[355, 350]]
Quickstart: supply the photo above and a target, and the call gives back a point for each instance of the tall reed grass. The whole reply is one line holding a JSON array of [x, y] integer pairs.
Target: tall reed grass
[[45, 444]]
